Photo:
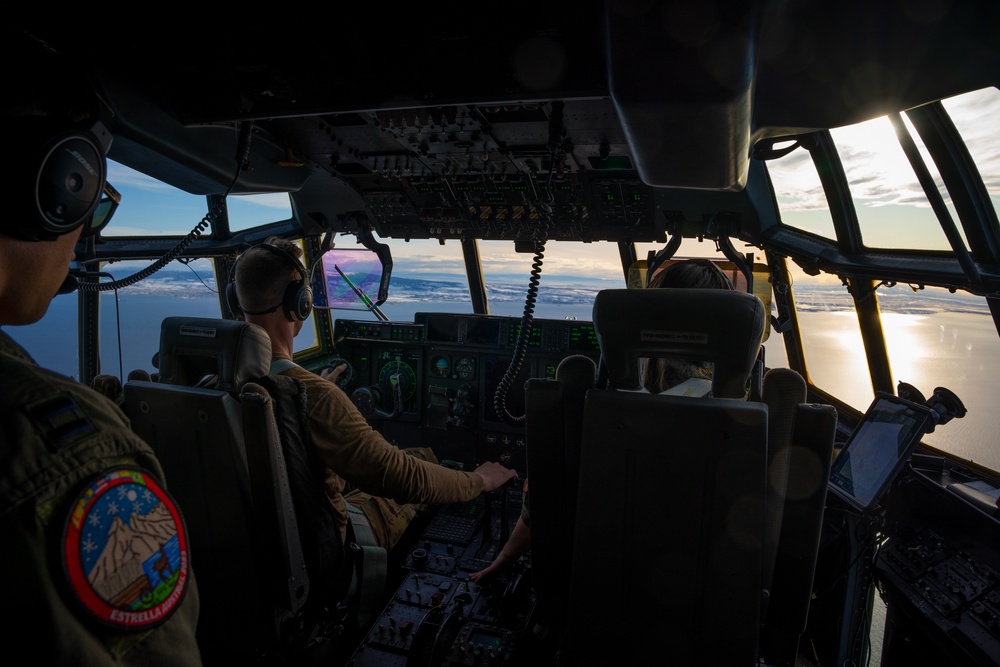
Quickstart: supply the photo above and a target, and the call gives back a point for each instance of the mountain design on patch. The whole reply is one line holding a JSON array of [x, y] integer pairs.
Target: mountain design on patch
[[128, 547]]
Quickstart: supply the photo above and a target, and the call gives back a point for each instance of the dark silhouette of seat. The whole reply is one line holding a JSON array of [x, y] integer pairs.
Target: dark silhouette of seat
[[676, 551], [800, 443], [553, 422], [223, 460]]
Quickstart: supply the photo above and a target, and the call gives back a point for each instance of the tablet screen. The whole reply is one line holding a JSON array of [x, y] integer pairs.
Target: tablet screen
[[883, 440]]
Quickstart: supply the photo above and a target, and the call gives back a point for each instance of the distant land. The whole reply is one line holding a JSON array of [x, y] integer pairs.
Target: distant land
[[579, 291]]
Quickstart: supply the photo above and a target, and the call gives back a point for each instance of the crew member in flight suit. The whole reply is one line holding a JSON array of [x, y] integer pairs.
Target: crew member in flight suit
[[273, 292], [93, 550]]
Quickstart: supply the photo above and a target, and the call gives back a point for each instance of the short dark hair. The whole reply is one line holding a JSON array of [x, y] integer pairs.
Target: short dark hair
[[691, 273]]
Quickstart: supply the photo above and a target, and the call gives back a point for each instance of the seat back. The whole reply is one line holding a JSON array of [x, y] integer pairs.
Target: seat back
[[553, 423], [668, 543], [807, 458], [223, 462], [722, 327], [783, 390], [222, 354]]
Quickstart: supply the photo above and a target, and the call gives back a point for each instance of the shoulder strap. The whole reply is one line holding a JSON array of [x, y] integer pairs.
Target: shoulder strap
[[318, 529]]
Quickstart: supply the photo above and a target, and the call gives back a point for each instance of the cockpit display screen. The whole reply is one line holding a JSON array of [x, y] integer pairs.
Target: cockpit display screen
[[485, 638]]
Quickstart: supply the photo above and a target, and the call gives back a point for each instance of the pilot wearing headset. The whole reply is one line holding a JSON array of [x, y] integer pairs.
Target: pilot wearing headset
[[270, 288], [94, 550]]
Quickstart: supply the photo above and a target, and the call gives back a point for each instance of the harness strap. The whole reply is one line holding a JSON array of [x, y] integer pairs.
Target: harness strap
[[371, 566]]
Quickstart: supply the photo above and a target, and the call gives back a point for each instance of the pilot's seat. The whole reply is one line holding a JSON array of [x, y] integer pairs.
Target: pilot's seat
[[668, 566], [212, 425]]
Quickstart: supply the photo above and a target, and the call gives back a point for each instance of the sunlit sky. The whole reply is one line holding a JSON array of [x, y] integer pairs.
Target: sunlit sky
[[890, 202]]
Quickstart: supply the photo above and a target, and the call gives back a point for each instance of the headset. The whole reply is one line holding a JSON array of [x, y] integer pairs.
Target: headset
[[64, 176], [56, 143], [298, 299]]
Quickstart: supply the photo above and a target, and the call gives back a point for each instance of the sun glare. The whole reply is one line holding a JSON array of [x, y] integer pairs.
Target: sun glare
[[906, 347], [876, 165]]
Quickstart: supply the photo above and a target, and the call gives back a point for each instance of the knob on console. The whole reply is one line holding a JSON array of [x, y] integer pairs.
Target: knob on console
[[420, 557]]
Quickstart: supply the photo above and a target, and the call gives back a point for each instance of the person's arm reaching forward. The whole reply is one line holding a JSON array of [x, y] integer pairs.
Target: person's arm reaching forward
[[494, 475]]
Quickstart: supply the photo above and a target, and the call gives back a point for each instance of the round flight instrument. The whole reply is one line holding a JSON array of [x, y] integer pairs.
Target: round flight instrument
[[440, 366], [406, 376], [465, 368]]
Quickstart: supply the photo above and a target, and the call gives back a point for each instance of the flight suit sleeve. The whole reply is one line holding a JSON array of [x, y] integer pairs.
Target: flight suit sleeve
[[358, 453]]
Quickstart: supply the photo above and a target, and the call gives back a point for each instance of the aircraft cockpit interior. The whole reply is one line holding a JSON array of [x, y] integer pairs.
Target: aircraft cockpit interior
[[713, 287]]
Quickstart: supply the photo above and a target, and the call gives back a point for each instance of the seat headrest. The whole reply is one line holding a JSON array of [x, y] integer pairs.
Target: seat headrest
[[721, 326], [192, 348]]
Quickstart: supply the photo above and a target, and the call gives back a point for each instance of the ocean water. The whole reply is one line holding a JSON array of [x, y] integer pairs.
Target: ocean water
[[949, 344], [957, 351]]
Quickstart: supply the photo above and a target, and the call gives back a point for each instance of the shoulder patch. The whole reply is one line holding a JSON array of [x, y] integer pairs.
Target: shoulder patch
[[125, 550]]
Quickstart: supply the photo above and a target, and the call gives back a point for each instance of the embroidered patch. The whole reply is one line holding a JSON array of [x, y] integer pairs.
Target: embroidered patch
[[60, 420], [125, 551]]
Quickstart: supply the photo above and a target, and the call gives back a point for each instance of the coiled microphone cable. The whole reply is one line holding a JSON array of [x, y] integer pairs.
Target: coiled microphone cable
[[243, 162]]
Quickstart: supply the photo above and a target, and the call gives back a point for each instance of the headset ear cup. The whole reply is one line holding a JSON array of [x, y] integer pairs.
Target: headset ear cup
[[65, 178], [233, 301], [70, 182], [305, 300], [298, 301]]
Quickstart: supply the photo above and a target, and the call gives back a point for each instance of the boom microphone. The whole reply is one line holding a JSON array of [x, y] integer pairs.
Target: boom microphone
[[69, 285]]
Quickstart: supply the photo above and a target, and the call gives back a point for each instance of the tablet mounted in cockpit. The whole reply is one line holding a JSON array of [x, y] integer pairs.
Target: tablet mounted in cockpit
[[882, 442]]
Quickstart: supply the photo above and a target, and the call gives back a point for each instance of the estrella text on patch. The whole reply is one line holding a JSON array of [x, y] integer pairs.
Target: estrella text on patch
[[125, 551]]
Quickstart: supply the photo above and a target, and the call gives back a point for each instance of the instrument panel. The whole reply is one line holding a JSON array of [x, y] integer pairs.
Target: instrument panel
[[437, 616], [940, 575], [935, 569], [455, 382]]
